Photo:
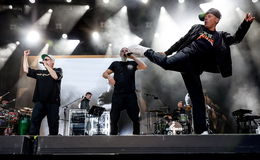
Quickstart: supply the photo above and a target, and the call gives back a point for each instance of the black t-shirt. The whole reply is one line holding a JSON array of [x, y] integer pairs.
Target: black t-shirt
[[124, 75], [47, 90], [201, 50]]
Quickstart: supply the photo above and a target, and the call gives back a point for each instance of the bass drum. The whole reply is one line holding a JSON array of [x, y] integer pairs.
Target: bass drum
[[175, 128]]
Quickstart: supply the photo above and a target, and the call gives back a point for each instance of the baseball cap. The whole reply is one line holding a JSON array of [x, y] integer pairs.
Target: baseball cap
[[46, 55], [213, 11]]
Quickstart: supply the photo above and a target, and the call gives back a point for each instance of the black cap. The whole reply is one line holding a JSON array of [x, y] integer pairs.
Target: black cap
[[213, 11]]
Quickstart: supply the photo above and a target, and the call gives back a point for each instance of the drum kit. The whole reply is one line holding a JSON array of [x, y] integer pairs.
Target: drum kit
[[172, 124], [14, 121]]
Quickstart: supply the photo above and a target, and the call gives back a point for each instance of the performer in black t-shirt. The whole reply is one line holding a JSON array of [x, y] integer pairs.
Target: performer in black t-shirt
[[84, 104], [124, 96], [201, 49], [46, 94]]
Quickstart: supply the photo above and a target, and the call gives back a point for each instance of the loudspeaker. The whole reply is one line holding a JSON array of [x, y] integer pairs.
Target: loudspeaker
[[15, 145]]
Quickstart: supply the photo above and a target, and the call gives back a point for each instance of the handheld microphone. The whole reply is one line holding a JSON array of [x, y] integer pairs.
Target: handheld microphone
[[129, 54], [41, 63]]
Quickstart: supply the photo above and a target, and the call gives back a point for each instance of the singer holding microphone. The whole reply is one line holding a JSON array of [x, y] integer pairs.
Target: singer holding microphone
[[124, 96], [46, 93]]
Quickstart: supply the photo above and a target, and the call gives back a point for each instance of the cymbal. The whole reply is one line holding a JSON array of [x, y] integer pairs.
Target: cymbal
[[155, 111]]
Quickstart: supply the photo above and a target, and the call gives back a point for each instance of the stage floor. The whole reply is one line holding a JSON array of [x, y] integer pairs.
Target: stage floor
[[150, 145]]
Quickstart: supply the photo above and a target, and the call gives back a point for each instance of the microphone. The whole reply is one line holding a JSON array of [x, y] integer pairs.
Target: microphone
[[129, 54], [41, 63]]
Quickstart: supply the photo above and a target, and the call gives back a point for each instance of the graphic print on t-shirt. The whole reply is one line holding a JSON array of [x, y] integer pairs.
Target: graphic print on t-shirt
[[207, 36]]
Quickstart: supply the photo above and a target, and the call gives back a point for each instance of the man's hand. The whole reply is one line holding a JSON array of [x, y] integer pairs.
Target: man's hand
[[111, 81], [131, 56], [249, 18], [26, 52], [162, 53]]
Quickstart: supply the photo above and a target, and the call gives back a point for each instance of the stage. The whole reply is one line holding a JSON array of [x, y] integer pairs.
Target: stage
[[150, 146]]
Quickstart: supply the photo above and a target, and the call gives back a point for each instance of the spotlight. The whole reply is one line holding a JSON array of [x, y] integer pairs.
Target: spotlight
[[237, 9], [68, 1], [10, 7], [254, 1], [110, 44], [124, 9], [64, 36], [145, 1], [156, 35], [50, 10], [95, 35], [105, 1], [163, 9], [17, 43], [32, 1], [33, 36], [181, 1], [87, 7]]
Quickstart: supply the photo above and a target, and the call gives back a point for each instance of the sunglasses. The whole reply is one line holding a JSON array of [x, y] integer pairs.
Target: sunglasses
[[46, 59]]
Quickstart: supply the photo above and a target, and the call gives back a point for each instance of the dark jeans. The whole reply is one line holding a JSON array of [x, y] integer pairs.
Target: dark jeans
[[181, 62], [39, 112], [119, 103]]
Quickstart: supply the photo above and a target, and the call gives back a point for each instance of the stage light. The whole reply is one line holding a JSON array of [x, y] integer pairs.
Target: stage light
[[124, 9], [68, 1], [10, 7], [163, 9], [237, 9], [32, 1], [65, 46], [109, 49], [118, 28], [105, 1], [95, 35], [167, 31], [44, 20], [181, 1], [33, 36], [87, 7], [64, 36], [6, 52], [17, 43], [254, 1], [156, 35], [145, 1]]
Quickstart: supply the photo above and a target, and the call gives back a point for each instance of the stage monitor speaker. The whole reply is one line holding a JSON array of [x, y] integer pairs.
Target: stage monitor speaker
[[15, 145], [178, 144]]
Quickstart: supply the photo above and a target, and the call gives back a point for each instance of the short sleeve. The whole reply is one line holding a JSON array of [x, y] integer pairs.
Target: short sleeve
[[112, 66], [32, 73], [59, 73]]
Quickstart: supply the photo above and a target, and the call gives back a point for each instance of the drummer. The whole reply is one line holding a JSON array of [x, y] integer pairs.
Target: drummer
[[180, 110]]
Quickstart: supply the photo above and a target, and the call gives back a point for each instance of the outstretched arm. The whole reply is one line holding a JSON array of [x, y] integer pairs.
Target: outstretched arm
[[241, 32]]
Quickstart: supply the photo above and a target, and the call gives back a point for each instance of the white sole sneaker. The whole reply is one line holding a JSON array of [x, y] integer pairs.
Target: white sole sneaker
[[137, 50], [205, 133]]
